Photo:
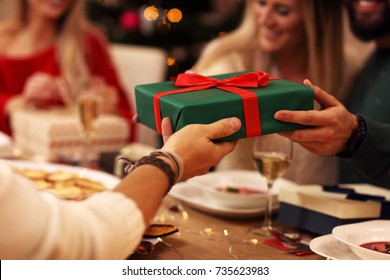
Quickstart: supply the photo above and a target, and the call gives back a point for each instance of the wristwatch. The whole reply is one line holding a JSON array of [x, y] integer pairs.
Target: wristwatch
[[356, 138]]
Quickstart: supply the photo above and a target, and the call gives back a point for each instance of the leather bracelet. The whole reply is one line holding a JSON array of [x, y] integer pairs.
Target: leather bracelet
[[355, 139], [175, 159], [152, 160]]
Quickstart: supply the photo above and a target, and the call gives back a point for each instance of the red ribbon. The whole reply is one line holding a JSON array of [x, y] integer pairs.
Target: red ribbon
[[194, 82]]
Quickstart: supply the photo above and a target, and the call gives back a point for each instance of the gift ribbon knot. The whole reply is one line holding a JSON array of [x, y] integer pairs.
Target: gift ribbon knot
[[194, 82]]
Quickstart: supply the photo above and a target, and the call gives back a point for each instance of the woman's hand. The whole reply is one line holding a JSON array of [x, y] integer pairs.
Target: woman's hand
[[108, 94], [41, 89], [195, 147], [331, 127], [110, 100]]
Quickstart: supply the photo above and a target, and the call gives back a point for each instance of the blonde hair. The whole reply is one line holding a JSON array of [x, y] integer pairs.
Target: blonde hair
[[70, 42], [323, 27]]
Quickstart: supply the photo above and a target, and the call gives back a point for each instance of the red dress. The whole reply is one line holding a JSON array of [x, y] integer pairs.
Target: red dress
[[15, 71]]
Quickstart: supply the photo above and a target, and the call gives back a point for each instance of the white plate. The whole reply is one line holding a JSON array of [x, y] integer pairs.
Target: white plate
[[247, 178], [192, 195], [108, 180], [330, 248], [251, 180], [356, 234]]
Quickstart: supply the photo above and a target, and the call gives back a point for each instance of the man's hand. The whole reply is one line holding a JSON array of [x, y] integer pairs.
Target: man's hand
[[331, 127]]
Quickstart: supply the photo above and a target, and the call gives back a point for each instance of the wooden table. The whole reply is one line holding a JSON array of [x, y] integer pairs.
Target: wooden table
[[194, 241]]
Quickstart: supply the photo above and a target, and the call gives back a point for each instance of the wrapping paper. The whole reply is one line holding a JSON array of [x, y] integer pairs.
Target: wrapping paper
[[248, 96], [54, 134]]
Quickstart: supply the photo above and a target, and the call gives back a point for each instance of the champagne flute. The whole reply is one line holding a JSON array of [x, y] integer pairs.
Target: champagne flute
[[272, 155], [89, 108]]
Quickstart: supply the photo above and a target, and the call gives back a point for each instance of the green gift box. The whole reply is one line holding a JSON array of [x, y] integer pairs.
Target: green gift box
[[250, 96]]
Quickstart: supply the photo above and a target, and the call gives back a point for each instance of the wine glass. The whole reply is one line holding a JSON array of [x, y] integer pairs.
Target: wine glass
[[272, 155], [89, 103]]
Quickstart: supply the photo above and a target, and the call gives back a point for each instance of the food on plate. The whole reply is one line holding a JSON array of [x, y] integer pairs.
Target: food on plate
[[239, 190], [381, 246], [33, 174], [160, 230], [62, 183], [59, 176]]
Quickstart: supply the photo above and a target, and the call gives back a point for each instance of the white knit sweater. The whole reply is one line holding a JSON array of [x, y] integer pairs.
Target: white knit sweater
[[37, 225]]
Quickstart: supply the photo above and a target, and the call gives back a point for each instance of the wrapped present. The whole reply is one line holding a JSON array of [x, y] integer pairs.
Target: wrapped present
[[319, 209], [55, 134], [251, 96]]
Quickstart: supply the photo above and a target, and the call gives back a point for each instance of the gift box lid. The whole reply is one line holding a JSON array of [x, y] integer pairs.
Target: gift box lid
[[343, 202]]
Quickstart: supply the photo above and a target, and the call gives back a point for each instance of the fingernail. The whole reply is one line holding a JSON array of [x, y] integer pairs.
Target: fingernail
[[278, 115], [307, 82], [235, 124]]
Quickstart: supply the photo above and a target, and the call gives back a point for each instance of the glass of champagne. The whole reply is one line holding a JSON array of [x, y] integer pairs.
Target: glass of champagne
[[89, 102], [272, 155]]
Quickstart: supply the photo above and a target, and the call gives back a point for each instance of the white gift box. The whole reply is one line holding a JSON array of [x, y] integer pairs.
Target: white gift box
[[319, 209], [55, 133]]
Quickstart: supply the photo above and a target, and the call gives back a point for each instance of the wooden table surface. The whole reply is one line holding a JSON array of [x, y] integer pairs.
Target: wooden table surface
[[203, 236]]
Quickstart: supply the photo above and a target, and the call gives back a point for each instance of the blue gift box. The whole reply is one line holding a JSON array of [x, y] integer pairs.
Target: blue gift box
[[318, 209]]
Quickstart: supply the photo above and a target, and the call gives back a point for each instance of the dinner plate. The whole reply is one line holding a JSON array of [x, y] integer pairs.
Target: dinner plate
[[191, 194], [106, 179], [356, 234], [215, 183], [330, 248], [247, 178]]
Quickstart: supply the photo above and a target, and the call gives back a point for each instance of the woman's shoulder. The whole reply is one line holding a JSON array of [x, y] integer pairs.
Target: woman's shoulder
[[228, 62], [8, 30], [354, 60], [355, 57]]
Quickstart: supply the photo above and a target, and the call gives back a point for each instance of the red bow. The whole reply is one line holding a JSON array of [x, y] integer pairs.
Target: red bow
[[195, 82]]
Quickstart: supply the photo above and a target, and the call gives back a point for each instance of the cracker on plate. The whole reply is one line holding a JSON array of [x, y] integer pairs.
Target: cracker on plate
[[64, 184]]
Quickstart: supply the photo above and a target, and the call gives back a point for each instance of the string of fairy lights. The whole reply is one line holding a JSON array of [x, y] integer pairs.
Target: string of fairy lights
[[162, 19], [151, 20]]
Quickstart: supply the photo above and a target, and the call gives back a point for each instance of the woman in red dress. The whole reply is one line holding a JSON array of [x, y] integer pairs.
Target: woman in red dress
[[48, 53]]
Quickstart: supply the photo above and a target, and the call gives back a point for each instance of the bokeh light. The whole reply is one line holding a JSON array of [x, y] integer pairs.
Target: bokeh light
[[151, 13], [129, 20], [171, 61], [174, 15]]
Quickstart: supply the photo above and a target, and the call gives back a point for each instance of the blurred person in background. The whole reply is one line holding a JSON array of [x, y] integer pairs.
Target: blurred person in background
[[49, 52], [292, 40], [362, 140], [110, 224]]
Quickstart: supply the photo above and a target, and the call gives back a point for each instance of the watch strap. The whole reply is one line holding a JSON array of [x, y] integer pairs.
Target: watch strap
[[355, 139]]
